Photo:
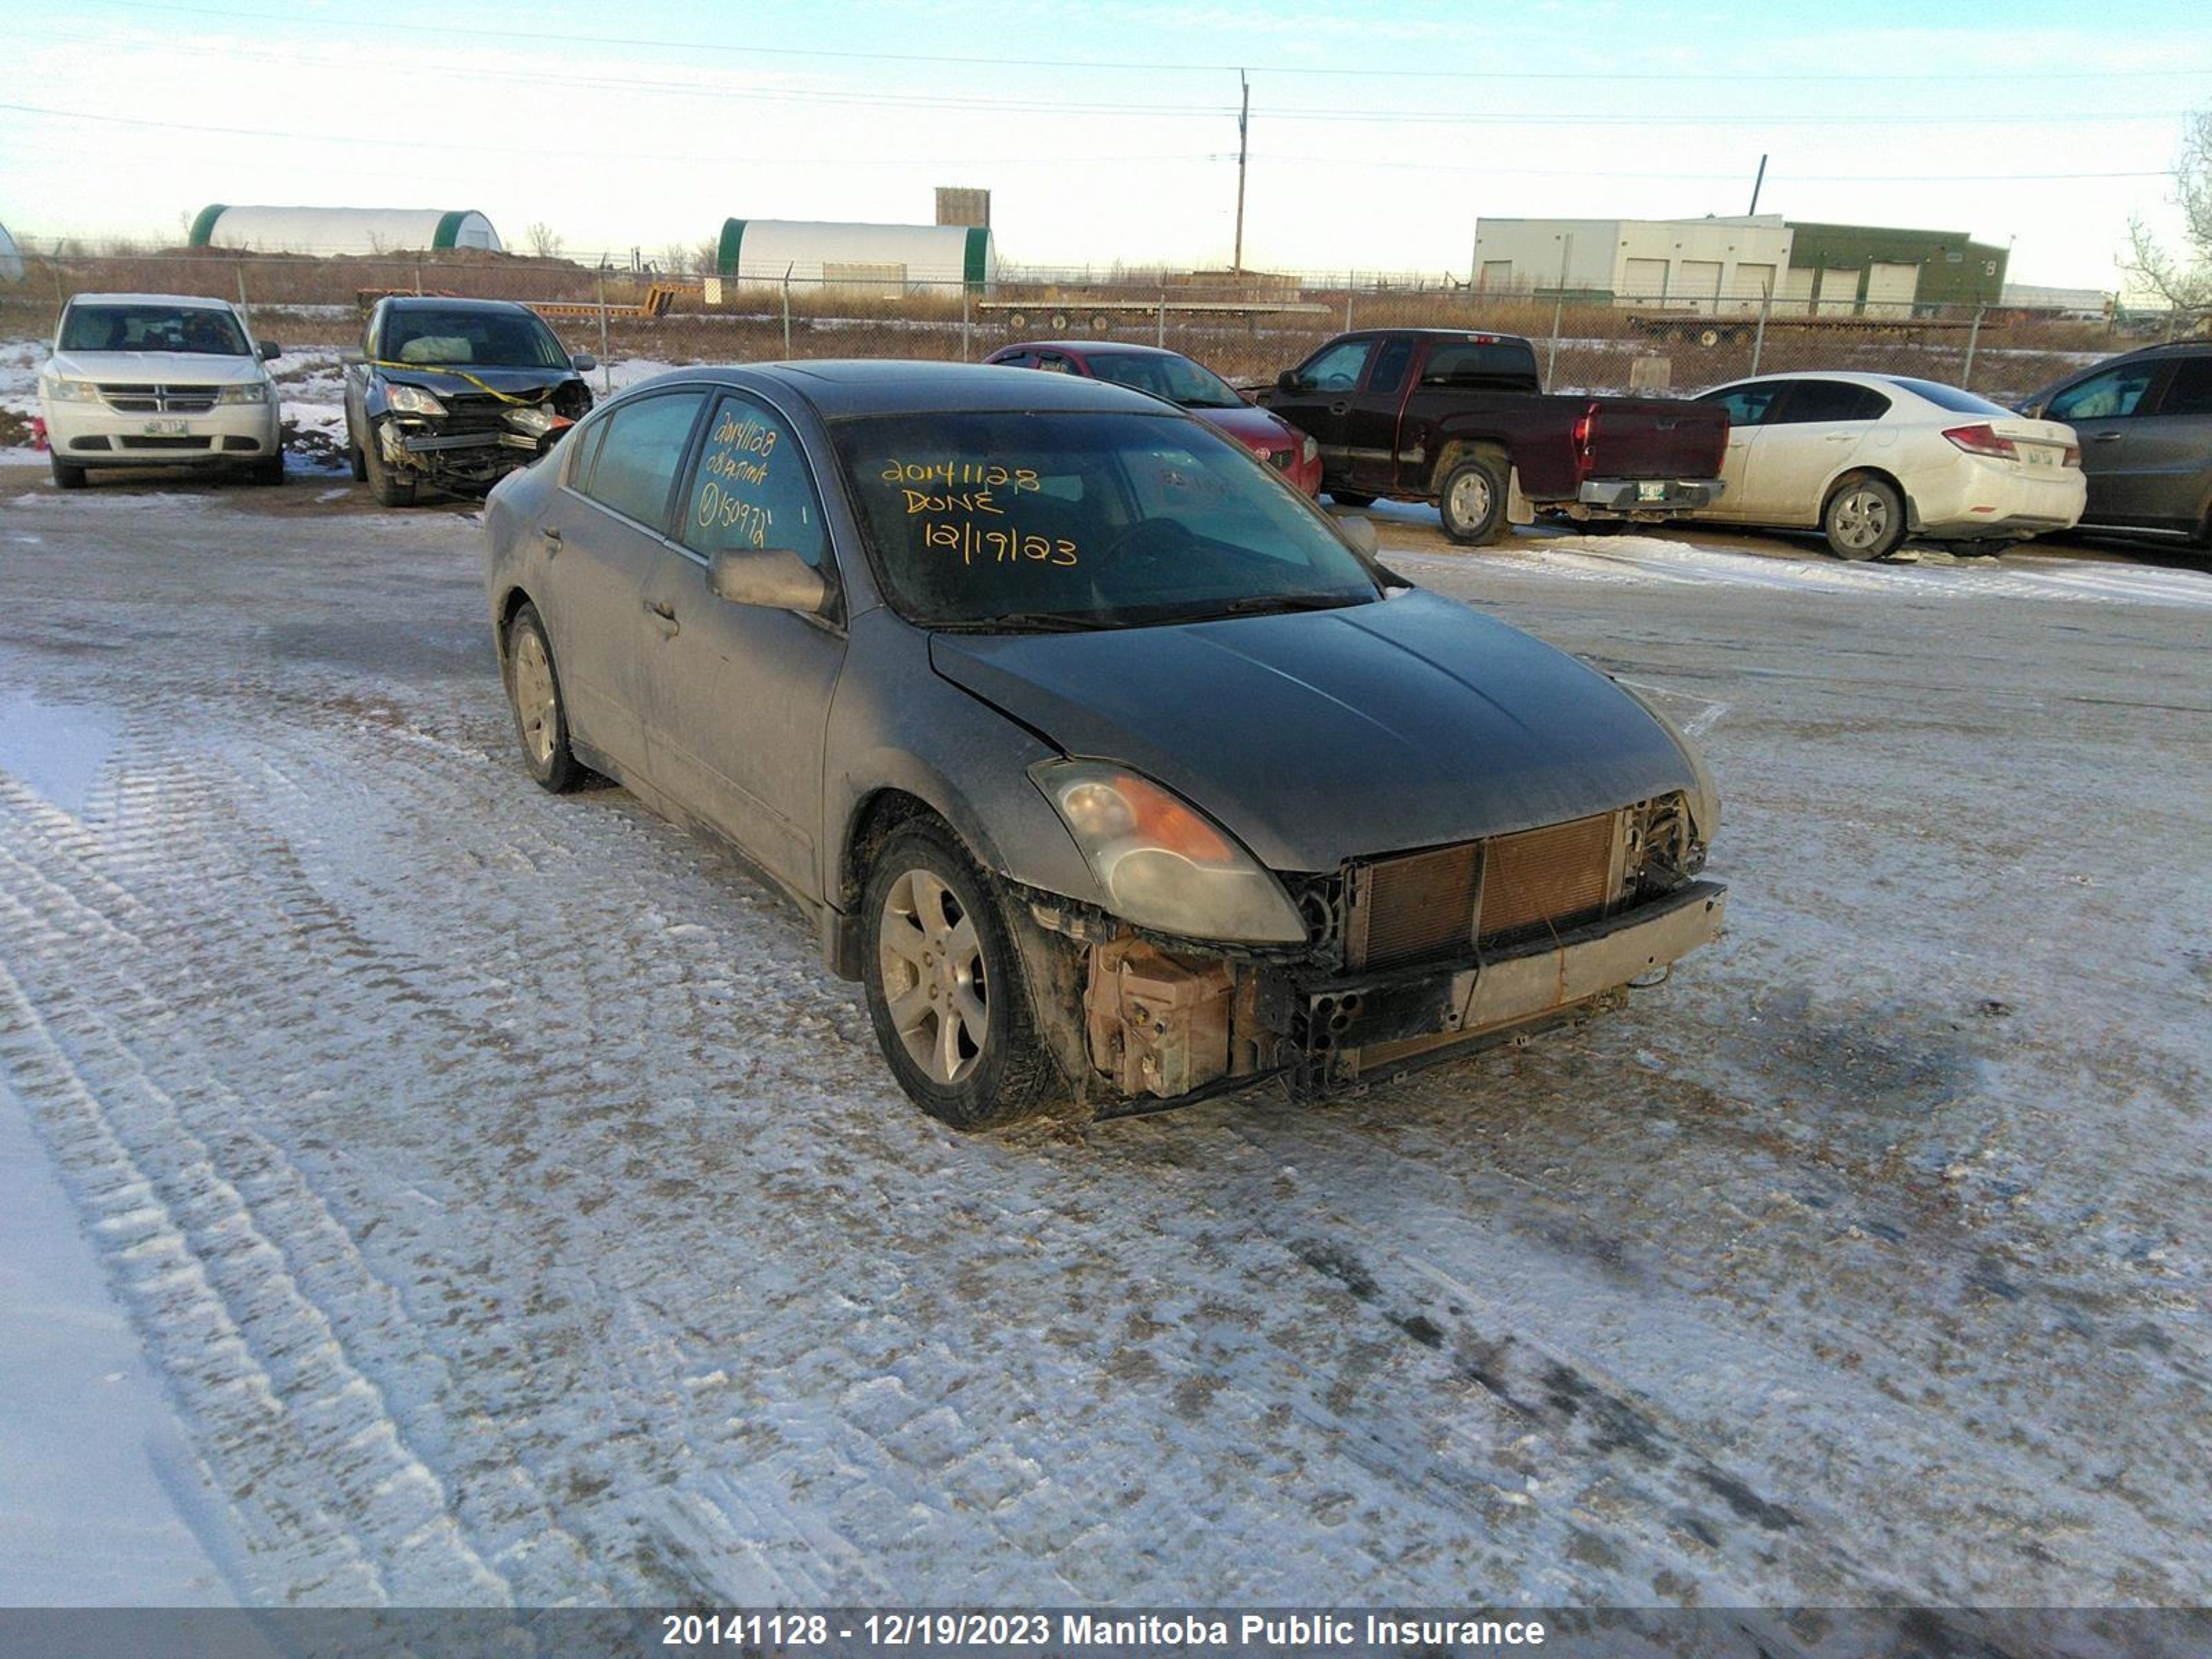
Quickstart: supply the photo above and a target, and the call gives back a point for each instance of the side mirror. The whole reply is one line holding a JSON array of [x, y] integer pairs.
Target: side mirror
[[773, 578], [1288, 380], [1360, 532], [2033, 408], [352, 358], [270, 350], [584, 363]]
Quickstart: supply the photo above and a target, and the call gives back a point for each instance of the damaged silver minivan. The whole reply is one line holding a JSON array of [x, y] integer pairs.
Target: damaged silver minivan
[[1119, 773]]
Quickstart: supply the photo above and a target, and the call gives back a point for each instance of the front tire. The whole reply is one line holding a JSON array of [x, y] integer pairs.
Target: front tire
[[386, 485], [268, 470], [945, 986], [541, 714], [358, 462], [67, 474], [1864, 519], [1471, 500], [1351, 498]]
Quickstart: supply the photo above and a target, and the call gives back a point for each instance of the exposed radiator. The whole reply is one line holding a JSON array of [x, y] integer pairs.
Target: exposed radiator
[[1424, 904]]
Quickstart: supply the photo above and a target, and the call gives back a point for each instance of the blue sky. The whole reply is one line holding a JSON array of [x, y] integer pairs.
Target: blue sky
[[1106, 133]]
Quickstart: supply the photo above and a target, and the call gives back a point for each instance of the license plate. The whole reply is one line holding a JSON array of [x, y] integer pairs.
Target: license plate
[[2038, 454], [167, 428], [1651, 492]]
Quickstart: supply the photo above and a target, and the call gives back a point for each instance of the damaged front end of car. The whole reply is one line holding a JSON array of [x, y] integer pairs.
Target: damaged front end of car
[[467, 440], [1404, 960]]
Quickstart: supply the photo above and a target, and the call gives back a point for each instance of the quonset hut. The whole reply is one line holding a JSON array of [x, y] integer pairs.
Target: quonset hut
[[889, 258], [342, 230], [11, 258]]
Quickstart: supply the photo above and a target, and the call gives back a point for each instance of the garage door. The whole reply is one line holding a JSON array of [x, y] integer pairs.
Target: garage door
[[1751, 285], [1645, 279], [1890, 289], [1701, 283], [1839, 292]]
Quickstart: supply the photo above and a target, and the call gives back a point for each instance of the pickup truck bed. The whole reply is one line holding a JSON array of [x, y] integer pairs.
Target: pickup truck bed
[[1460, 419]]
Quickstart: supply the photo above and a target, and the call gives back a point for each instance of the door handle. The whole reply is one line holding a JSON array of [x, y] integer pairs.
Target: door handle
[[1340, 407], [2104, 437], [550, 536], [665, 614], [1839, 437]]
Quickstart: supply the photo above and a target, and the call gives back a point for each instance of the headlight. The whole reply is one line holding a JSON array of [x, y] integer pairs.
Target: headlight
[[1311, 451], [537, 421], [411, 400], [1704, 793], [71, 392], [251, 392], [1162, 863]]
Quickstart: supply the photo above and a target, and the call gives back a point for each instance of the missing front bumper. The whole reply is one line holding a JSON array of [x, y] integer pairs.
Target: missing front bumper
[[1164, 1025]]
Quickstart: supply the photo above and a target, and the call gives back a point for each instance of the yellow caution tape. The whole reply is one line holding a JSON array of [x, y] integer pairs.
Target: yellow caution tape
[[459, 374]]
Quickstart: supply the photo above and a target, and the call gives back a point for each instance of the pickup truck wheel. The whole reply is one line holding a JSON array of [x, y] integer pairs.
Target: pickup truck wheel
[[358, 462], [67, 474], [1349, 498], [1864, 519], [388, 486], [541, 717], [1473, 500], [945, 993]]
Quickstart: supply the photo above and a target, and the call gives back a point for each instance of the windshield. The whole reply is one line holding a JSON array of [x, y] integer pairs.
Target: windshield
[[470, 339], [1178, 380], [201, 331], [1082, 520]]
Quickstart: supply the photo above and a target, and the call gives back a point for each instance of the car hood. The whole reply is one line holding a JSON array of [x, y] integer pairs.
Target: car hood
[[1317, 737], [157, 368], [471, 377], [1256, 428]]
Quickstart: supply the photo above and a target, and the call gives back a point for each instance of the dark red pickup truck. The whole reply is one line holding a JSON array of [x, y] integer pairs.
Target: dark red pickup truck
[[1462, 420]]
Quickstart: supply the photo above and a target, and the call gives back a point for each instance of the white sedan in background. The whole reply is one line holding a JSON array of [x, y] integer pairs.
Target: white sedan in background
[[1872, 458]]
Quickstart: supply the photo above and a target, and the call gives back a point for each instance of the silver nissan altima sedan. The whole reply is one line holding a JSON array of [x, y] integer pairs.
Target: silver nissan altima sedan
[[1117, 772]]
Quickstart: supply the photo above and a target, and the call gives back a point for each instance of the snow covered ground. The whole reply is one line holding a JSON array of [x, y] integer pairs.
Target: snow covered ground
[[493, 1200]]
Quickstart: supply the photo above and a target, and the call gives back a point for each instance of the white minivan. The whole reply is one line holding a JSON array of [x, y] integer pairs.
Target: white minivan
[[159, 380]]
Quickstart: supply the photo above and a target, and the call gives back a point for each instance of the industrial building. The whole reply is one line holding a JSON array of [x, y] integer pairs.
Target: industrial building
[[342, 230], [1734, 265], [886, 259]]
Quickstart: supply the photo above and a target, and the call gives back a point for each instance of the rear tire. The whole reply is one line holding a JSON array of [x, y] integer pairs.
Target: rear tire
[[67, 474], [945, 986], [1471, 500], [1864, 519], [386, 485], [541, 713]]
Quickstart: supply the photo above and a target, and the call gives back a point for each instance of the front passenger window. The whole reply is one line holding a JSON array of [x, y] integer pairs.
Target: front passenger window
[[2109, 396], [637, 460]]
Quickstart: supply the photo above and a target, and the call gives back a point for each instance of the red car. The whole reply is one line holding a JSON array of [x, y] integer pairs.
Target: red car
[[1171, 376]]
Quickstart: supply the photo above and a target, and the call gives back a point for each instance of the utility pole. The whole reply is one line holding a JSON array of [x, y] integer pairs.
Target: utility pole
[[1244, 124], [1756, 182]]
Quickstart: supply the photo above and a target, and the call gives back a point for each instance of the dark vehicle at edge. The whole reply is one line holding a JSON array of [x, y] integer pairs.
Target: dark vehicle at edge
[[2145, 422], [455, 394], [1119, 773], [1460, 419]]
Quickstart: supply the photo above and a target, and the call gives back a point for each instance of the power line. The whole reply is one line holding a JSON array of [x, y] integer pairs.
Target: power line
[[1824, 77]]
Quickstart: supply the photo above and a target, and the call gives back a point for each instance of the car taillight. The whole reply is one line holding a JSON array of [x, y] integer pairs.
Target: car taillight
[[2073, 456], [1982, 440], [1584, 424]]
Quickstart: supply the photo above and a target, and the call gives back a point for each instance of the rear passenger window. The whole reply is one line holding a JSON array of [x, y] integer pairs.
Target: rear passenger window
[[751, 487], [1823, 401], [2190, 391], [1389, 369], [637, 460], [1747, 405]]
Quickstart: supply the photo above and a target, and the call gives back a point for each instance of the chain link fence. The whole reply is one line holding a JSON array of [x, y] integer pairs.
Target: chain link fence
[[1247, 330]]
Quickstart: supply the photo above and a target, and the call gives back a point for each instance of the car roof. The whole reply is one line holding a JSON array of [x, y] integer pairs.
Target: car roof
[[439, 302], [890, 386], [1109, 348], [1848, 376], [188, 301]]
